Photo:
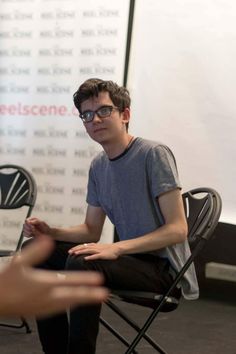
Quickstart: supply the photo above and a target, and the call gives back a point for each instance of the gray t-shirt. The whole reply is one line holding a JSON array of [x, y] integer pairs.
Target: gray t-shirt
[[126, 189]]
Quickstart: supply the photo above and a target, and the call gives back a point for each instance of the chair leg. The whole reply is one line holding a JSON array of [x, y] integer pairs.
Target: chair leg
[[142, 332], [23, 324], [134, 325], [26, 325], [116, 334]]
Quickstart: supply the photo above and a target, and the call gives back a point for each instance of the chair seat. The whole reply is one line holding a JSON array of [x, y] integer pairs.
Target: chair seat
[[147, 299]]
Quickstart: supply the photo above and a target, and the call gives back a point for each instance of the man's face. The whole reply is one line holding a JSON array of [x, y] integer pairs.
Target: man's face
[[107, 129]]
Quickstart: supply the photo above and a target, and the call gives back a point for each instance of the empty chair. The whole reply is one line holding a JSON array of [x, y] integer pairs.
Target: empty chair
[[17, 193]]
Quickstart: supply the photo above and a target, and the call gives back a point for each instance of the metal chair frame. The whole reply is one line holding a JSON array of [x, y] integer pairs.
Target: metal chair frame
[[17, 189], [203, 209]]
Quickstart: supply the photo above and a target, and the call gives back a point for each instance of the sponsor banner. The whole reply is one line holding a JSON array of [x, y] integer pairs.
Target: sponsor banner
[[48, 48]]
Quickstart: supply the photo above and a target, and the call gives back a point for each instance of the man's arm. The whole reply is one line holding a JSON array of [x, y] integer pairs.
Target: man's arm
[[173, 231], [89, 231]]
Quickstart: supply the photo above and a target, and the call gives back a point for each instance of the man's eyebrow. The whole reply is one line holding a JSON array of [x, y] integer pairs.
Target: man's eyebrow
[[103, 105]]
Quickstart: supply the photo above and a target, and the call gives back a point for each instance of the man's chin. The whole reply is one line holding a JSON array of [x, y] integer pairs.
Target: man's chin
[[100, 140]]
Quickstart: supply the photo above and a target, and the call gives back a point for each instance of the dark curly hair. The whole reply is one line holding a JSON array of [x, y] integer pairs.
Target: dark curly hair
[[92, 87]]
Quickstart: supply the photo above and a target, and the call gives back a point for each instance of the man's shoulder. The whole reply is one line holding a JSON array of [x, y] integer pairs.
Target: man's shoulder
[[151, 144], [101, 157], [155, 150]]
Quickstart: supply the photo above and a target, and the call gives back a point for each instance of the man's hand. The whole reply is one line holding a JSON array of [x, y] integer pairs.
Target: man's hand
[[96, 251], [26, 291], [35, 227]]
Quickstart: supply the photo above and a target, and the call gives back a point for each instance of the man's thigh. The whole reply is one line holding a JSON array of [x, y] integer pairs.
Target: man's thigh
[[141, 272]]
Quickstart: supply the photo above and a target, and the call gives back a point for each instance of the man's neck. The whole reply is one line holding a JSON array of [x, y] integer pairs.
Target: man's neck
[[116, 148]]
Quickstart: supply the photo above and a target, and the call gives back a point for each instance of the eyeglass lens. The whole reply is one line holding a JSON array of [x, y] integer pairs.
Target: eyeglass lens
[[102, 112]]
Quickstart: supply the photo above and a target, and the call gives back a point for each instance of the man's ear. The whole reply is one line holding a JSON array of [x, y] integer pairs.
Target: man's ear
[[126, 115]]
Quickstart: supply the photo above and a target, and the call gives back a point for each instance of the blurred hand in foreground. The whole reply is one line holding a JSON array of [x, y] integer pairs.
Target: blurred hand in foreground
[[25, 291]]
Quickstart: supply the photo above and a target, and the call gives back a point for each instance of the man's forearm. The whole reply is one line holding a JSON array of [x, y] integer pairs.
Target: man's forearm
[[75, 234], [162, 237]]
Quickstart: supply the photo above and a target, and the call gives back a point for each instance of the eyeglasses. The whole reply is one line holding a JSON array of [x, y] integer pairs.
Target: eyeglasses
[[102, 112]]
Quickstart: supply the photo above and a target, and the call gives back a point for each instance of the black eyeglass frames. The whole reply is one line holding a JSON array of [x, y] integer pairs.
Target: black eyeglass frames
[[102, 112]]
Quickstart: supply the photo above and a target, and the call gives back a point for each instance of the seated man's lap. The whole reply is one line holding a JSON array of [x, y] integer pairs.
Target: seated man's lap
[[58, 257], [130, 272]]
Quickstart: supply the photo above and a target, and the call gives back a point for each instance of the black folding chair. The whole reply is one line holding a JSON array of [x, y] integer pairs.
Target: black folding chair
[[203, 208], [18, 190]]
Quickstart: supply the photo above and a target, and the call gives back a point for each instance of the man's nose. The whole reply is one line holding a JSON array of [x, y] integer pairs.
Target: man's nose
[[96, 118]]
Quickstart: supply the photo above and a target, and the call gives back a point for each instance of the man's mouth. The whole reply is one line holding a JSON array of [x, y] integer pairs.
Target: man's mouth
[[98, 130]]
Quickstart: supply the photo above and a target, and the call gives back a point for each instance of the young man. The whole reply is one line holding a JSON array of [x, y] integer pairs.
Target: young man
[[135, 183]]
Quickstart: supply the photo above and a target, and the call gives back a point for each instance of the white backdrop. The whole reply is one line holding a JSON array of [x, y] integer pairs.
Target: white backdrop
[[183, 83], [47, 49]]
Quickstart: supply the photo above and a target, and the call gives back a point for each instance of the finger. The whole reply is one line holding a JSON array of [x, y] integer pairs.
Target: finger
[[27, 233], [36, 252], [74, 278], [93, 257], [31, 220], [72, 250], [27, 226], [83, 295], [80, 250], [34, 222], [78, 247], [27, 230], [71, 297]]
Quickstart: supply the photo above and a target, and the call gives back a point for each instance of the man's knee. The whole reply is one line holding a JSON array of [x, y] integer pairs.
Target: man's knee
[[78, 263]]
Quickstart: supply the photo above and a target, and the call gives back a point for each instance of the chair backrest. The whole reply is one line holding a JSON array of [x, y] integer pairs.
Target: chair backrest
[[202, 208], [17, 189]]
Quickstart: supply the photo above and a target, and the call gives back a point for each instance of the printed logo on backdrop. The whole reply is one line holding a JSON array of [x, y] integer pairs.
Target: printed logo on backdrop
[[10, 151], [49, 151], [48, 170], [51, 189]]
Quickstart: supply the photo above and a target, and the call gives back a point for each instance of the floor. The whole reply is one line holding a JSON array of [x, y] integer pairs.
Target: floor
[[197, 327]]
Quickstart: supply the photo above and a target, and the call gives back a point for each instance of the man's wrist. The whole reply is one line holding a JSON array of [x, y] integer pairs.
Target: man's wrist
[[54, 232], [118, 248]]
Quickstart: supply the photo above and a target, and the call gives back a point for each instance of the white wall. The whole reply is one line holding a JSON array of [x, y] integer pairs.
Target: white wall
[[183, 83]]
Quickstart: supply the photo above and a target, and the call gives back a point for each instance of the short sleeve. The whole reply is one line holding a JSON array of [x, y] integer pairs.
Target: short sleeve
[[162, 170], [92, 195]]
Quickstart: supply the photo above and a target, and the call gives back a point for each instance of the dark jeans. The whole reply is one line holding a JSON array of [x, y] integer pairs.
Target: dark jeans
[[142, 272]]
